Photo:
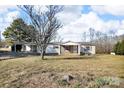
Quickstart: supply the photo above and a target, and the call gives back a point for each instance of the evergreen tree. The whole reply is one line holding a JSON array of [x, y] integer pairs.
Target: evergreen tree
[[116, 47], [17, 31], [122, 48], [119, 48]]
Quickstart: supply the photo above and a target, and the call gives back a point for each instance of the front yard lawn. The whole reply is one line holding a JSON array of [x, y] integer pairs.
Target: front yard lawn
[[87, 71]]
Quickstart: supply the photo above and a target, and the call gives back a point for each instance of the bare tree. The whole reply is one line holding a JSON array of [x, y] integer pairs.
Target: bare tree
[[112, 39], [58, 38], [91, 34], [45, 24], [98, 42], [84, 37], [112, 34], [104, 42]]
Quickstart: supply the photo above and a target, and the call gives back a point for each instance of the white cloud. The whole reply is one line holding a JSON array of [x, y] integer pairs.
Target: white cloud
[[12, 15], [114, 10], [74, 22], [121, 28], [7, 14], [42, 8], [73, 31], [70, 14], [4, 8]]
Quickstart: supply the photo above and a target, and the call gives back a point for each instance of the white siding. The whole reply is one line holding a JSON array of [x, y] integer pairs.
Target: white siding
[[79, 49], [28, 48], [23, 48], [82, 49], [91, 49], [56, 49], [53, 49]]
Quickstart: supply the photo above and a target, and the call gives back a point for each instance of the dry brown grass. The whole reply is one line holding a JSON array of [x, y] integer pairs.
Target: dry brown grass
[[5, 49], [34, 72]]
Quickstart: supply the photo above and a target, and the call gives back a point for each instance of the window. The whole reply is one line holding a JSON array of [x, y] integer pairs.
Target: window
[[87, 48], [33, 48], [54, 47]]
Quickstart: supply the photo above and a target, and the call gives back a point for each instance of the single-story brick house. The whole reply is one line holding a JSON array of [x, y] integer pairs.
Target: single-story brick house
[[57, 48]]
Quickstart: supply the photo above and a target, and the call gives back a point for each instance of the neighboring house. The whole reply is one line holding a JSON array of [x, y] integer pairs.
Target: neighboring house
[[57, 48]]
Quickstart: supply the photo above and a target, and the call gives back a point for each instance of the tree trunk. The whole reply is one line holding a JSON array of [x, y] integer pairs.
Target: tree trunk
[[42, 57], [42, 54]]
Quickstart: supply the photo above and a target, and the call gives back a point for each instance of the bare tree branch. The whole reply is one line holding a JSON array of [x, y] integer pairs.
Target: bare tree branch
[[45, 23]]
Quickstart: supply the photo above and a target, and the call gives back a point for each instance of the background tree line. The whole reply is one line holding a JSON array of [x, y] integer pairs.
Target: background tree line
[[104, 42]]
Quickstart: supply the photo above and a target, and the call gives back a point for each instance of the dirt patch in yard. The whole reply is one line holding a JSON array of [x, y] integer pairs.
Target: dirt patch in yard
[[55, 80]]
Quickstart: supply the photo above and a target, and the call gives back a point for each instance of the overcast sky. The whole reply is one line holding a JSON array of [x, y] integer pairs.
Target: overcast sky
[[76, 19]]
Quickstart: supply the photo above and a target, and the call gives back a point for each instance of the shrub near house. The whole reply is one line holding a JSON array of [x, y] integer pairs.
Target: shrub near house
[[119, 48]]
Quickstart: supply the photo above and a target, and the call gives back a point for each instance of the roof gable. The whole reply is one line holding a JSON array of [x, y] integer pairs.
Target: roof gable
[[70, 43]]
